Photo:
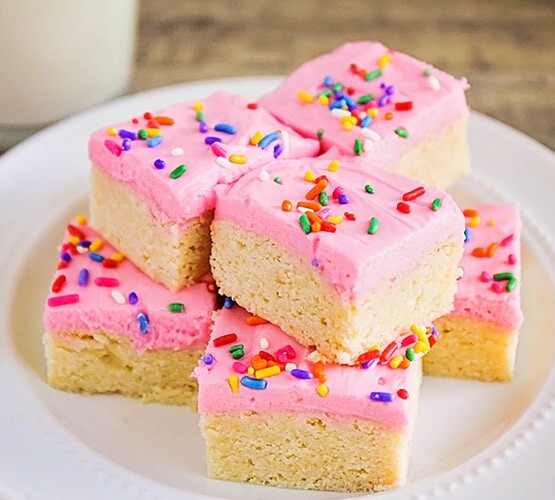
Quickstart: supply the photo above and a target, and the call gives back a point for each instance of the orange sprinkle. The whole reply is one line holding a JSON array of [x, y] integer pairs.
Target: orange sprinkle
[[258, 363], [316, 227], [470, 212], [318, 371], [286, 205], [388, 115], [479, 252], [164, 120], [312, 205], [404, 364], [317, 189], [491, 249], [312, 217], [256, 320]]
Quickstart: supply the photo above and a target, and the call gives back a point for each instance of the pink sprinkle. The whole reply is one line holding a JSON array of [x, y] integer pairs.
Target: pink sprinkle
[[103, 281], [62, 300], [218, 150], [281, 356], [114, 148], [324, 213], [240, 367], [498, 287], [512, 259], [485, 277], [507, 240], [290, 352], [337, 192], [409, 339]]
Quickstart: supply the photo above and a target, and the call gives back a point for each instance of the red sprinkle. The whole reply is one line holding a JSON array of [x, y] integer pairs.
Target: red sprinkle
[[109, 263], [350, 90], [415, 193], [74, 231], [432, 340], [409, 339], [354, 68], [368, 356], [62, 264], [403, 393], [328, 227], [252, 105], [318, 179], [58, 283], [71, 248], [135, 121], [147, 116], [104, 281], [388, 351], [225, 339], [62, 300], [153, 124], [350, 216], [507, 240], [470, 212], [266, 355], [403, 207], [403, 106]]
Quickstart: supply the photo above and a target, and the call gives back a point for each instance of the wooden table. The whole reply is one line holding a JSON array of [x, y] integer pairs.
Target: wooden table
[[505, 49]]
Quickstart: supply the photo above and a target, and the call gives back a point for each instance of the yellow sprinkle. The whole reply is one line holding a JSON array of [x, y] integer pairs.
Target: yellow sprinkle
[[73, 240], [250, 370], [267, 372], [240, 159], [322, 390], [323, 100], [418, 330], [333, 166], [373, 112], [396, 361], [475, 221], [335, 219], [118, 257], [96, 245], [256, 138], [419, 347], [152, 132], [347, 126], [384, 60], [305, 97], [350, 119], [233, 383], [491, 222], [375, 347], [198, 106], [309, 176], [81, 219], [112, 131]]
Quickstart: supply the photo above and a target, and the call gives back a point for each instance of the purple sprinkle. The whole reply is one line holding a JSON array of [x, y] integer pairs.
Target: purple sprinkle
[[384, 100], [302, 374], [384, 397], [65, 257], [390, 90], [208, 359], [338, 95], [203, 127], [126, 144], [210, 139], [382, 85], [315, 263], [369, 364], [435, 333], [343, 199], [84, 243], [83, 277], [159, 163], [278, 149], [133, 298], [127, 134]]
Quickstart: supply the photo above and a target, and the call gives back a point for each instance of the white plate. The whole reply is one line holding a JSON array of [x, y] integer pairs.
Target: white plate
[[472, 439]]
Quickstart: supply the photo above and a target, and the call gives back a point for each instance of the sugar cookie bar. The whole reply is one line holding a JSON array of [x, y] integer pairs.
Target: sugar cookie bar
[[110, 328]]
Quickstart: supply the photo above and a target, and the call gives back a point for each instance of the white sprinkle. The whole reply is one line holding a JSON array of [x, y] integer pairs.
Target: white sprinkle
[[81, 249], [177, 151], [222, 162], [285, 142], [371, 134], [303, 210], [118, 297], [263, 175], [367, 145], [340, 113], [264, 344], [290, 366], [434, 82]]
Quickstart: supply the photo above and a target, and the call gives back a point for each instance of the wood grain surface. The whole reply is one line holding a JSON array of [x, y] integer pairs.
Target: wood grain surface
[[506, 49]]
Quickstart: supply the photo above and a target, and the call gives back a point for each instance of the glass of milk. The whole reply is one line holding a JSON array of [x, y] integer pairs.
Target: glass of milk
[[58, 57]]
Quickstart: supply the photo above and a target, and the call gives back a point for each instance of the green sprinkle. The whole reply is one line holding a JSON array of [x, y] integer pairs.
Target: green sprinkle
[[177, 172], [409, 353], [358, 147], [200, 116], [305, 223], [436, 204], [503, 276], [374, 225], [320, 133], [325, 93], [338, 87], [369, 189], [323, 199], [143, 134], [511, 284], [373, 75], [365, 99], [176, 307], [277, 180], [426, 72], [238, 354], [237, 348], [402, 132]]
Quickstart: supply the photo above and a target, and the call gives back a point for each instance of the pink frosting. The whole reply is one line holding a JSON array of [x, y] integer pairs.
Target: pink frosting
[[97, 311], [192, 194], [433, 105], [475, 298], [349, 387], [353, 261]]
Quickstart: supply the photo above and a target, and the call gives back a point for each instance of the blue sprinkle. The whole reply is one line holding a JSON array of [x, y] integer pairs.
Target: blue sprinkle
[[268, 139], [126, 144], [328, 81], [127, 134], [466, 235], [155, 141], [338, 104], [85, 243], [228, 303], [96, 257], [65, 257], [203, 127], [211, 140], [366, 121], [298, 373], [278, 149], [208, 359], [384, 397], [133, 298], [159, 163], [384, 100], [83, 277], [225, 127], [343, 199], [350, 103], [144, 322], [254, 383]]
